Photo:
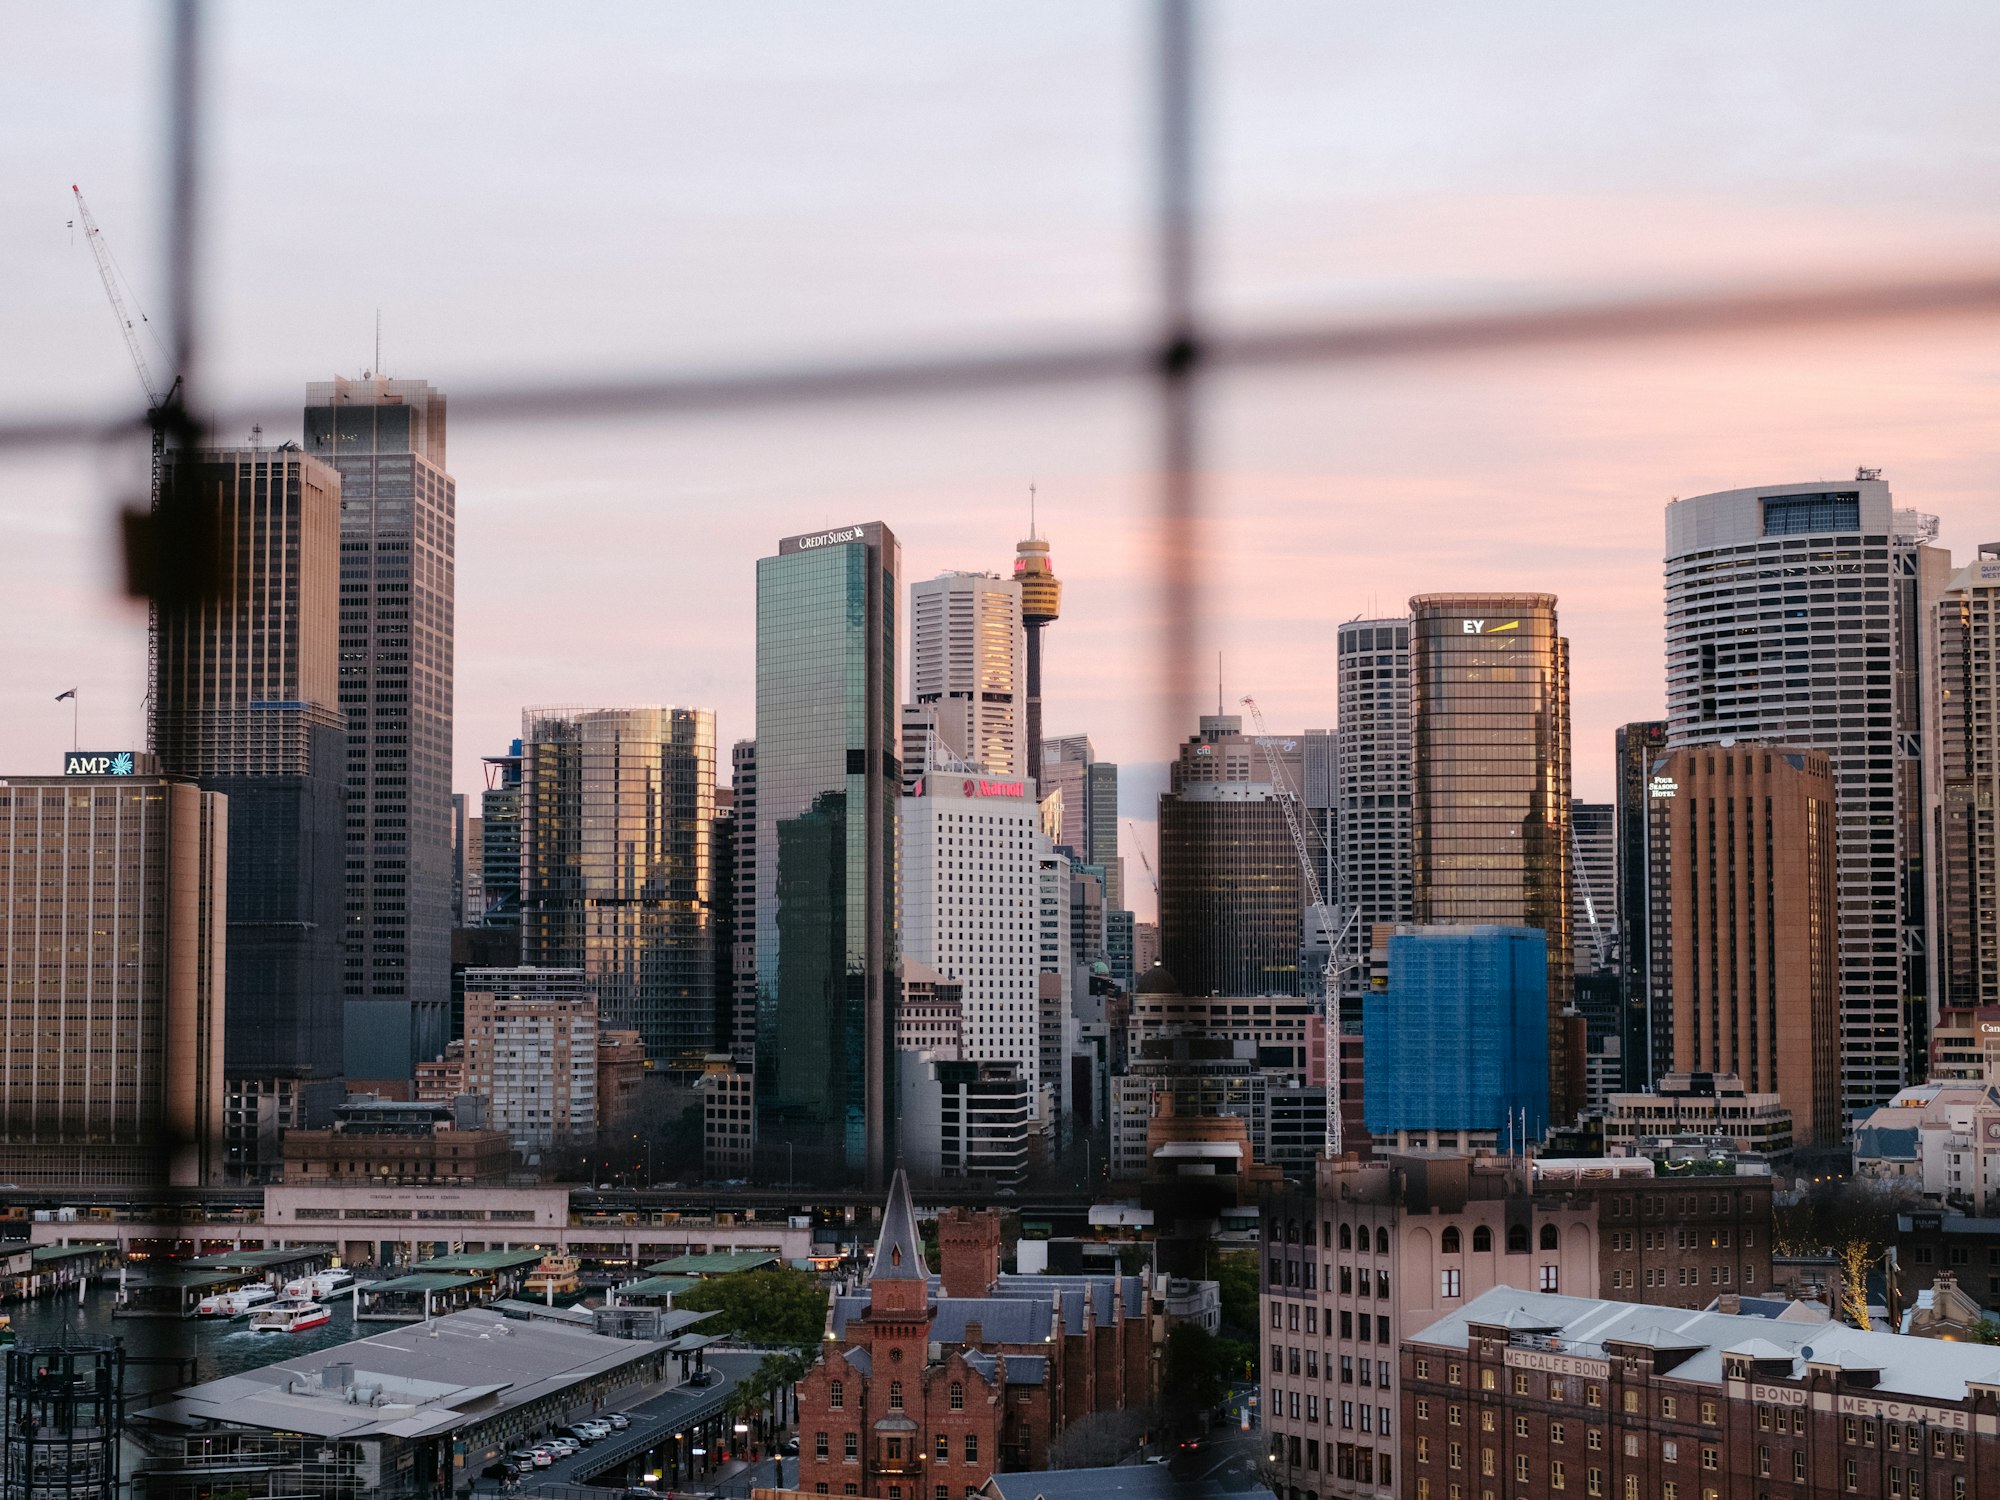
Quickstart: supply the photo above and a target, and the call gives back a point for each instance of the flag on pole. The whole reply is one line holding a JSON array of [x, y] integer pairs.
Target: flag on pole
[[70, 694]]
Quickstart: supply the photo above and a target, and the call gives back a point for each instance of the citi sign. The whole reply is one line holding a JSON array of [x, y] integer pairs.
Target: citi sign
[[996, 789], [97, 763], [1478, 627]]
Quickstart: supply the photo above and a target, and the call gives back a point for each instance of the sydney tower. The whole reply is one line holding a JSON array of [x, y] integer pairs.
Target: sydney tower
[[1041, 603]]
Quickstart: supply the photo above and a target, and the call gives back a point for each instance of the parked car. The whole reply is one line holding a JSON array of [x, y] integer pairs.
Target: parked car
[[619, 1420], [702, 1377]]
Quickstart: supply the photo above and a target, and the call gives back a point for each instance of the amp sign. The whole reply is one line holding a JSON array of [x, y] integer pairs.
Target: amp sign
[[97, 763]]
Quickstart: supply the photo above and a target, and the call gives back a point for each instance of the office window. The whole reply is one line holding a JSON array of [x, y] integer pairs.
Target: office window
[[972, 1447], [836, 1395], [819, 1446], [958, 1395], [850, 1446], [941, 1449]]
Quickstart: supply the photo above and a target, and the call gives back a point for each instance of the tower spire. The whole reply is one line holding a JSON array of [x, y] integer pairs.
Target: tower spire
[[1032, 532]]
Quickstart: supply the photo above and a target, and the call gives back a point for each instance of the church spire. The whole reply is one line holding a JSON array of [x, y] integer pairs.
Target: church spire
[[899, 1253]]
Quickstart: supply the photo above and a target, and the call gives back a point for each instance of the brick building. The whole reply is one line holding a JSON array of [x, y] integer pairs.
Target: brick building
[[1522, 1394], [1671, 1241], [931, 1384], [383, 1141], [1395, 1243]]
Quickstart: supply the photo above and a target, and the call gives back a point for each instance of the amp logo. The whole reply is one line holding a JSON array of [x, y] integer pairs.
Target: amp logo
[[97, 763]]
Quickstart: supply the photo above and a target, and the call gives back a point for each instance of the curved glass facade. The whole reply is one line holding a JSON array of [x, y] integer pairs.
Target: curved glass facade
[[1489, 837], [828, 784]]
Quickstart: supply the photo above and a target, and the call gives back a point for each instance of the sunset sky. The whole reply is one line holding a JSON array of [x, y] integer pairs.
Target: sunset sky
[[538, 191]]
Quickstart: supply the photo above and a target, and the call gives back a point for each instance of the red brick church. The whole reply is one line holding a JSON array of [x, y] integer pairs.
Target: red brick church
[[929, 1384]]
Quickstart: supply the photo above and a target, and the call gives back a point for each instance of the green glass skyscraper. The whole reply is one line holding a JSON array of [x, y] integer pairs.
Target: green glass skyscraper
[[828, 784]]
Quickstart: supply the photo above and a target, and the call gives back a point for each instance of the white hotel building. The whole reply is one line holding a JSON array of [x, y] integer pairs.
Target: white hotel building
[[970, 845]]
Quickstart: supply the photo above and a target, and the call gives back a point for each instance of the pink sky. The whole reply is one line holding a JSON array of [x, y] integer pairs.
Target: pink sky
[[634, 189]]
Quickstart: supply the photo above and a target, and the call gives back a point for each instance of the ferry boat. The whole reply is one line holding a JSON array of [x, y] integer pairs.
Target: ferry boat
[[235, 1304], [555, 1276], [321, 1286], [290, 1316]]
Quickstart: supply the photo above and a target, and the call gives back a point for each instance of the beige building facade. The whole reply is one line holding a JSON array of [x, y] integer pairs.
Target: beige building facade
[[113, 891]]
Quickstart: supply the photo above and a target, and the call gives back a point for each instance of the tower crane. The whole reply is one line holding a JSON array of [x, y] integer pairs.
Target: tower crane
[[159, 405], [1133, 828], [1290, 802]]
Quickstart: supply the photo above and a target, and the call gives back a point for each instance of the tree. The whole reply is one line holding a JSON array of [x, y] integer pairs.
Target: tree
[[778, 1306], [1099, 1440], [1236, 1274]]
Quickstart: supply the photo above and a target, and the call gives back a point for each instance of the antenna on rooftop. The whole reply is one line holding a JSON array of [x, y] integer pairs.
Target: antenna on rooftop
[[1031, 510]]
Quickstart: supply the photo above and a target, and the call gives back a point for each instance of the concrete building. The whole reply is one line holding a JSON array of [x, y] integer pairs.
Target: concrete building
[[970, 869], [1490, 739], [964, 1122], [828, 802], [1941, 1138], [1965, 1247], [1380, 1249], [396, 1143], [1232, 897], [1802, 614], [1751, 840], [1544, 1394], [1965, 1046], [931, 1017], [398, 561], [969, 663], [531, 1052], [247, 702], [939, 1382], [729, 1122], [1704, 1106], [113, 889], [1088, 823], [617, 818], [1371, 797], [1454, 1050]]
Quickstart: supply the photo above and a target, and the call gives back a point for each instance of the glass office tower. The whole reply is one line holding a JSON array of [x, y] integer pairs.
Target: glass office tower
[[397, 569], [1489, 732], [1370, 797], [617, 823], [828, 784]]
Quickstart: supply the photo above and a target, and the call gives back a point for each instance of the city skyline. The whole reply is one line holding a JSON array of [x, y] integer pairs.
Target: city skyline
[[1547, 475]]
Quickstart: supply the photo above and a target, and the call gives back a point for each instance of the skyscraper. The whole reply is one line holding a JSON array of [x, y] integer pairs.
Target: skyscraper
[[111, 976], [500, 840], [397, 556], [968, 659], [743, 956], [617, 814], [1371, 794], [1798, 614], [1964, 858], [1041, 604], [828, 785], [1489, 737], [1232, 896], [1593, 881], [1637, 746], [245, 703], [1750, 831], [969, 909], [1089, 824]]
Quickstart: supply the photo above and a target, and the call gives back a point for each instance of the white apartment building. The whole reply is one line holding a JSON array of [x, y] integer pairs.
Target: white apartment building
[[1803, 614], [969, 905], [969, 659], [531, 1053]]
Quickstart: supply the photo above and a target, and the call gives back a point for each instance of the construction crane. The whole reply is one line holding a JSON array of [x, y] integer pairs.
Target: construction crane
[[1133, 829], [1600, 944], [1336, 941], [159, 405]]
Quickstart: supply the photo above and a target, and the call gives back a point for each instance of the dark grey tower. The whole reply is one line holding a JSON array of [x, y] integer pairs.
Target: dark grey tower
[[397, 506]]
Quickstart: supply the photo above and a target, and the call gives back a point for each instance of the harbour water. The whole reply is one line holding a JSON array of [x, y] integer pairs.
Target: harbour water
[[217, 1346]]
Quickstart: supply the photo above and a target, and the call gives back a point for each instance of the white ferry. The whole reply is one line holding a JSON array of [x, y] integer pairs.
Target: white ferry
[[290, 1316], [321, 1286], [235, 1304]]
